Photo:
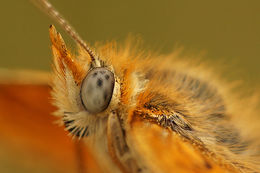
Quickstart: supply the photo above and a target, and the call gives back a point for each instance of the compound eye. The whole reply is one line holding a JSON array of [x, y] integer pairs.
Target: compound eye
[[97, 89]]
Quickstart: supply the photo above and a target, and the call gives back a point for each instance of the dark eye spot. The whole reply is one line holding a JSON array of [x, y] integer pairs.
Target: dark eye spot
[[99, 82], [94, 74], [107, 77]]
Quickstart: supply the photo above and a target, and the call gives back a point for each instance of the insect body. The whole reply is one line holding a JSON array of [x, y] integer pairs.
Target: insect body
[[144, 114]]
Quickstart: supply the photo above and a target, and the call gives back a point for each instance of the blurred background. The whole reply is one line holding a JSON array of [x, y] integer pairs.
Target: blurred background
[[225, 31], [228, 31]]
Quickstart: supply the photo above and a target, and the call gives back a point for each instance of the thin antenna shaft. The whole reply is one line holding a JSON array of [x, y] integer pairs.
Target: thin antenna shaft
[[50, 10]]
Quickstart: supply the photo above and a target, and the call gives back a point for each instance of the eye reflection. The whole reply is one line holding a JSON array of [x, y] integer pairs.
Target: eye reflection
[[97, 90]]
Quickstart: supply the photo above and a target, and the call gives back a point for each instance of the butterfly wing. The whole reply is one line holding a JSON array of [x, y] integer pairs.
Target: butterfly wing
[[30, 141], [164, 151]]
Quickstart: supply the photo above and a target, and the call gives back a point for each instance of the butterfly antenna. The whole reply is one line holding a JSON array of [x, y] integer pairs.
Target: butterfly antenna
[[47, 7]]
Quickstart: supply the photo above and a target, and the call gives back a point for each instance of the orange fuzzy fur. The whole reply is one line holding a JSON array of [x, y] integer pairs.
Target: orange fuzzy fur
[[168, 90]]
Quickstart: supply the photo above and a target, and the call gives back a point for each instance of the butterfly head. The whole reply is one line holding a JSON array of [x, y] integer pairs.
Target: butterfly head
[[86, 88]]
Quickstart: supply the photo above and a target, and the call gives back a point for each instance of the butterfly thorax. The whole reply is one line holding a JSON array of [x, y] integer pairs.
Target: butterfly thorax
[[146, 94]]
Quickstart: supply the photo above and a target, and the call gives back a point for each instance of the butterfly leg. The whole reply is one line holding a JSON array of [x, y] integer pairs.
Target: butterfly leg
[[118, 147]]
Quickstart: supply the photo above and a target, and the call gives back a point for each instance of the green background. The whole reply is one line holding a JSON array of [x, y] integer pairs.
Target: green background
[[227, 30]]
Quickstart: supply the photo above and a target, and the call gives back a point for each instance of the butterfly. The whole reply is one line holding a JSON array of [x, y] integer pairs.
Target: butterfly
[[138, 113]]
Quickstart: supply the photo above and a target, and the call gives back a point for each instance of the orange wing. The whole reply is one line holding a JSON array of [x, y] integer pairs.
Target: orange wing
[[29, 139], [165, 151]]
